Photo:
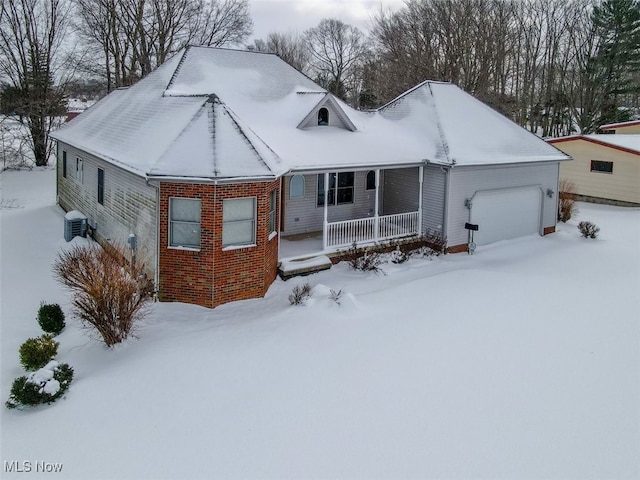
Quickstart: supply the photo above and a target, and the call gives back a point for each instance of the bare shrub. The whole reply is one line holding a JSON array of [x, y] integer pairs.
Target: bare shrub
[[336, 296], [566, 200], [108, 295], [300, 294], [364, 260], [588, 229], [435, 241]]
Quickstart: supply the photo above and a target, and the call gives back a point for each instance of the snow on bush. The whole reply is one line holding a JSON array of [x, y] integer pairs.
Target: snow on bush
[[300, 294], [45, 385]]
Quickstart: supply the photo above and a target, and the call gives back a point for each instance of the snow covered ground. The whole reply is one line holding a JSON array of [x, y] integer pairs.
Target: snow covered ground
[[521, 361]]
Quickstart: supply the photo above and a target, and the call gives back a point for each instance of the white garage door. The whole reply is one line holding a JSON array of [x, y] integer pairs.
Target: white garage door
[[507, 213]]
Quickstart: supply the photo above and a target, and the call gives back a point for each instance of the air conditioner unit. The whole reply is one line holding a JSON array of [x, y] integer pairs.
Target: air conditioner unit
[[75, 225]]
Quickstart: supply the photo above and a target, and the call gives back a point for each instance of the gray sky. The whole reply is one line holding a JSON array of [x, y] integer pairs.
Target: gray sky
[[299, 15]]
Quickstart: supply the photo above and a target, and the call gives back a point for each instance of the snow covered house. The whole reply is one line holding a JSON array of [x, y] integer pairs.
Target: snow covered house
[[220, 161], [605, 167]]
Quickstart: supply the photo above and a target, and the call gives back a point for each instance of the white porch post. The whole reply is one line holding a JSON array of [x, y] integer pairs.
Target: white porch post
[[325, 227], [376, 221], [421, 180]]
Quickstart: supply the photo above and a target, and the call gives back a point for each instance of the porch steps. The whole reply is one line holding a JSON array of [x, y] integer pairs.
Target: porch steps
[[303, 266]]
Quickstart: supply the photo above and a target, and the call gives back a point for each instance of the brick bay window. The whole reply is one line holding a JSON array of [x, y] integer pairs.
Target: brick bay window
[[184, 222], [239, 222], [340, 189]]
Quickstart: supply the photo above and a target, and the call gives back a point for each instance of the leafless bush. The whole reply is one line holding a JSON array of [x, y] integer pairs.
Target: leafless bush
[[299, 294], [108, 294], [435, 241], [588, 229], [566, 202], [366, 260], [336, 296]]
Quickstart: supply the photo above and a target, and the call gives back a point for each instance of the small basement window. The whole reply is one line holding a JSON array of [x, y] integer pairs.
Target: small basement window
[[601, 167], [184, 222], [323, 116]]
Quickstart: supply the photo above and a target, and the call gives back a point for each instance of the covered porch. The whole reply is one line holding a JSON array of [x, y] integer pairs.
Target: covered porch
[[363, 206]]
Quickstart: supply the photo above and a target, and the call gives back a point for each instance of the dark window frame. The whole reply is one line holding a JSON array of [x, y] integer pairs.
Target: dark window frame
[[601, 166], [341, 189], [101, 186], [64, 164], [371, 180]]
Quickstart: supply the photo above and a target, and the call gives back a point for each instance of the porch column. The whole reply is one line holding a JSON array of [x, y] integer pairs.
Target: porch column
[[421, 181], [376, 218], [325, 226]]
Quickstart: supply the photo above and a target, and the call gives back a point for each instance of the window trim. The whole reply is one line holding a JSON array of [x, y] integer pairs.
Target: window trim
[[170, 222], [101, 186], [366, 182], [273, 212], [602, 163], [80, 170], [303, 187], [254, 221], [333, 191], [323, 122]]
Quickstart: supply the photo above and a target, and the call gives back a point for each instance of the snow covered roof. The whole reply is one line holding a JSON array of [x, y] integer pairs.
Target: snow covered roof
[[214, 113], [629, 143], [613, 126]]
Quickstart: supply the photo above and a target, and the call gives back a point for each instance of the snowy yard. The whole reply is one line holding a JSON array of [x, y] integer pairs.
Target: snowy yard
[[521, 361]]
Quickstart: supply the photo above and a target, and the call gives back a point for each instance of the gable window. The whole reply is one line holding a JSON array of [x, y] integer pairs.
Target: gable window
[[272, 211], [79, 170], [340, 188], [101, 186], [371, 180], [296, 187], [601, 167], [64, 164], [239, 222], [184, 222], [323, 116]]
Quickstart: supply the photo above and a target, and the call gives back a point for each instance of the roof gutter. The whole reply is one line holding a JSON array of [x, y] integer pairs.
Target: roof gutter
[[209, 180]]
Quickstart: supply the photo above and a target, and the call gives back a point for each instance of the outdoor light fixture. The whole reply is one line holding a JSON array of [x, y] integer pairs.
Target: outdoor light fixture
[[549, 193]]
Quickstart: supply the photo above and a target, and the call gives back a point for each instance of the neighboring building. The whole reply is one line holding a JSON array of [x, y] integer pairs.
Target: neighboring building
[[605, 168], [632, 127], [221, 160]]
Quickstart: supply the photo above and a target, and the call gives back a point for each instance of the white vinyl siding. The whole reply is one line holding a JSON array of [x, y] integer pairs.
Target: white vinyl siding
[[239, 222], [129, 203], [465, 182]]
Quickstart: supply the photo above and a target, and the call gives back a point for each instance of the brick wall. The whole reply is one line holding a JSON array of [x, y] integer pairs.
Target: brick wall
[[212, 276]]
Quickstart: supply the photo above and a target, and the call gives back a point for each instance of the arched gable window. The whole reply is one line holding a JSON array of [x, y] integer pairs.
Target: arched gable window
[[371, 180], [296, 187], [323, 116]]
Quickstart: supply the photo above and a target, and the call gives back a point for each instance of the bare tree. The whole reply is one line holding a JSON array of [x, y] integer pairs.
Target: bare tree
[[336, 55], [31, 36], [290, 47], [135, 36]]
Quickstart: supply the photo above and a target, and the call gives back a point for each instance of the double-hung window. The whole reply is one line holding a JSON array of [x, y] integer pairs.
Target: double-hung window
[[239, 222], [184, 222], [272, 211], [340, 189]]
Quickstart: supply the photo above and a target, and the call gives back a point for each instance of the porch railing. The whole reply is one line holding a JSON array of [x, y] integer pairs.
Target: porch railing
[[371, 229]]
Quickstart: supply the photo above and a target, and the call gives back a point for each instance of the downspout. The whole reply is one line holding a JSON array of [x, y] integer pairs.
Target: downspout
[[421, 182], [326, 211], [445, 220], [376, 212]]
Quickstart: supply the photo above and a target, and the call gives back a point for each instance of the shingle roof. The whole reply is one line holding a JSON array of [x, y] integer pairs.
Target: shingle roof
[[224, 114]]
